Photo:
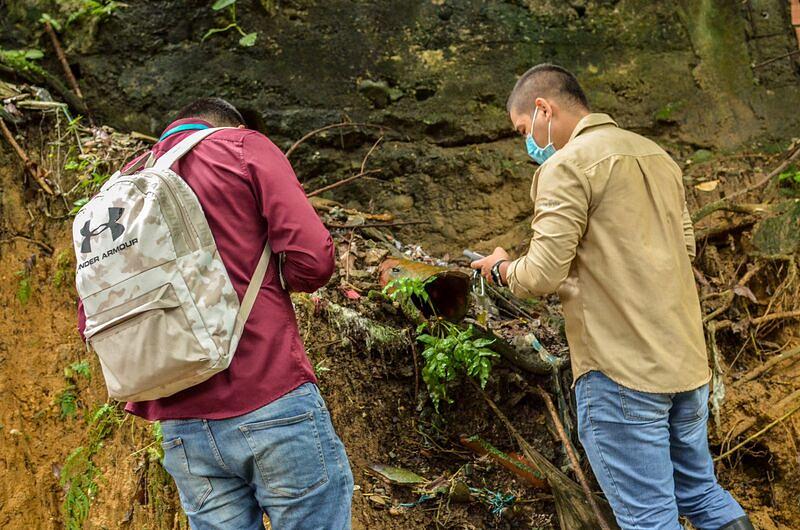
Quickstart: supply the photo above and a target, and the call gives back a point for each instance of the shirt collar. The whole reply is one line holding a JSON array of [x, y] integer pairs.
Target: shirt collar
[[184, 121], [592, 120]]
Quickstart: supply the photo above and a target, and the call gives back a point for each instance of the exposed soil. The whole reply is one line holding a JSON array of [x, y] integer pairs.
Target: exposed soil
[[434, 76], [371, 397]]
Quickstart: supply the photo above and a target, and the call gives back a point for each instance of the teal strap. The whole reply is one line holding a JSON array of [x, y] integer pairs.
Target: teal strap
[[184, 127]]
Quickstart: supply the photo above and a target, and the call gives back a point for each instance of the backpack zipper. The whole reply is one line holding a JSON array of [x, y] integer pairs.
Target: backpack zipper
[[184, 216]]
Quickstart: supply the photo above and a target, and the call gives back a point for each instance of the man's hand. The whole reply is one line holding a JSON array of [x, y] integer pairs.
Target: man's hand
[[485, 264]]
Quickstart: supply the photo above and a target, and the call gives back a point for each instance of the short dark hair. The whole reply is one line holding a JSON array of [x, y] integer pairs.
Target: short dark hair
[[216, 111], [546, 80]]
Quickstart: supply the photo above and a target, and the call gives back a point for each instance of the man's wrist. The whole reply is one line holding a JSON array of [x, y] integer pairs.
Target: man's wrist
[[503, 269], [497, 273]]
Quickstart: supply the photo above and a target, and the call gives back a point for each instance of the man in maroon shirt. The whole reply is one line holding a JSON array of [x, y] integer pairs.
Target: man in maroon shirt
[[258, 435]]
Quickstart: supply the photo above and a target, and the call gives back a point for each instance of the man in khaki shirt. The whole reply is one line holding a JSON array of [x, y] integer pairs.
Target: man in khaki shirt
[[612, 235]]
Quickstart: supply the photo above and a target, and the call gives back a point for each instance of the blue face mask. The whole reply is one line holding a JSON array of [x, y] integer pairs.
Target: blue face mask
[[539, 154]]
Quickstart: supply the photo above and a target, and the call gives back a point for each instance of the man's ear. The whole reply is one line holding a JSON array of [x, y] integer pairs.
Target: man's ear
[[544, 107]]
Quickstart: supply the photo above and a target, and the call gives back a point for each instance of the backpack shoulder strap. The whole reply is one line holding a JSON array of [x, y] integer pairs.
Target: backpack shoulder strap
[[252, 291], [166, 160]]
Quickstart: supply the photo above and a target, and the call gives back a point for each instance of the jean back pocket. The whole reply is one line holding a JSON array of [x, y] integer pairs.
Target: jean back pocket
[[288, 454], [193, 489]]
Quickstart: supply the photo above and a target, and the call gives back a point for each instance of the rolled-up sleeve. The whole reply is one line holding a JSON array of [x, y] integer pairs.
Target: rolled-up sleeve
[[293, 227], [561, 195]]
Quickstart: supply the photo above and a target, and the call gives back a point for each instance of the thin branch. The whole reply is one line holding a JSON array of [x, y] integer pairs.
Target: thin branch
[[756, 435], [712, 207], [63, 60], [342, 182], [371, 149], [32, 167], [748, 423], [760, 369], [778, 58], [572, 457], [294, 146], [375, 225], [44, 246]]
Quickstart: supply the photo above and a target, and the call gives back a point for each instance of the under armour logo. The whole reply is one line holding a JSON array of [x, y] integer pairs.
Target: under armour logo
[[116, 228]]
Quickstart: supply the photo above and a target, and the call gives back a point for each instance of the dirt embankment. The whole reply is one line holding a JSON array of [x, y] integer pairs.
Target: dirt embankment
[[433, 76]]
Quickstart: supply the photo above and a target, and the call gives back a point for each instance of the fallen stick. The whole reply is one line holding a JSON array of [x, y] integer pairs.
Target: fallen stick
[[73, 83], [32, 167], [574, 511], [722, 203], [573, 458], [295, 145], [778, 58], [342, 182], [41, 244], [521, 469], [37, 76], [756, 372], [376, 225], [756, 435], [750, 422], [724, 324]]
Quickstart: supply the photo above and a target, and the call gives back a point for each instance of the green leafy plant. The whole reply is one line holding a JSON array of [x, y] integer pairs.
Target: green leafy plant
[[22, 60], [791, 175], [64, 268], [78, 368], [24, 288], [246, 40], [789, 181], [92, 171], [155, 451], [78, 480], [450, 352], [407, 290], [104, 422], [92, 10], [67, 399], [79, 473]]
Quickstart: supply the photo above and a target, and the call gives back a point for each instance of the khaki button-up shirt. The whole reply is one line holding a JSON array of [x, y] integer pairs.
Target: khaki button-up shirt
[[612, 235]]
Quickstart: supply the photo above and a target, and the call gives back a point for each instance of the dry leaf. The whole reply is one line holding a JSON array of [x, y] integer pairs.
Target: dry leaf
[[707, 186]]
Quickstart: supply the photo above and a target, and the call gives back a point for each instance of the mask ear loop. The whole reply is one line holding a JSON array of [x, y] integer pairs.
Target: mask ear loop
[[549, 138]]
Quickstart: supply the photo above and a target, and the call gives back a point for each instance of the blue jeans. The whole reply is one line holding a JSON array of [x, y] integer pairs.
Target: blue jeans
[[283, 459], [650, 455]]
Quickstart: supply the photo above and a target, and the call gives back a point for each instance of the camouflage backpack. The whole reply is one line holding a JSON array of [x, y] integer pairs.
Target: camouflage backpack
[[161, 312]]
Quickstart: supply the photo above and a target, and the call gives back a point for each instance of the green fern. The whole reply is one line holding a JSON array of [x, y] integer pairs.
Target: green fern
[[24, 288], [78, 480], [451, 352], [406, 290], [67, 401]]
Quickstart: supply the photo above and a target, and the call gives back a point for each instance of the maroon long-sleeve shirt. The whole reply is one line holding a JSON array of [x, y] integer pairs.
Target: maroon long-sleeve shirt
[[250, 195]]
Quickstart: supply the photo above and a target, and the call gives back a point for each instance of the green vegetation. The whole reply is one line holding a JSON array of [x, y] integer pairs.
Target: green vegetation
[[79, 474], [78, 479], [64, 268], [791, 176], [22, 60], [24, 288], [246, 40], [92, 171], [79, 11], [67, 399], [450, 352], [406, 290]]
